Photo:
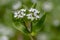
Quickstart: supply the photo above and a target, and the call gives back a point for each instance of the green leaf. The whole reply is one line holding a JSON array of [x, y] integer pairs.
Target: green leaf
[[21, 28], [34, 5], [37, 27], [19, 25]]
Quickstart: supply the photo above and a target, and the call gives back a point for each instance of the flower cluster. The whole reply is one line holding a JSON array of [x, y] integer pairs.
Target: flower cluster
[[32, 15], [20, 14]]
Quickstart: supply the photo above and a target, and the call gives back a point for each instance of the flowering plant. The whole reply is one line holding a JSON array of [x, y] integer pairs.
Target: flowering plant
[[28, 21]]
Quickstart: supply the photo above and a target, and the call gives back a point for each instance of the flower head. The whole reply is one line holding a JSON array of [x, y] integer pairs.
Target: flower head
[[35, 13]]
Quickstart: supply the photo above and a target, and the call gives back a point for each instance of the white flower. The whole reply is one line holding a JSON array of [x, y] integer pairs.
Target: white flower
[[29, 16], [23, 10], [15, 14], [37, 17], [33, 10], [20, 14], [35, 13], [32, 18]]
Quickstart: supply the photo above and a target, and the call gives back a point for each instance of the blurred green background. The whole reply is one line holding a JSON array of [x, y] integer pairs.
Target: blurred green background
[[51, 26]]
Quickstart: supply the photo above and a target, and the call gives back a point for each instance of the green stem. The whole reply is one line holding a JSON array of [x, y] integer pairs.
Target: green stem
[[33, 38], [28, 24]]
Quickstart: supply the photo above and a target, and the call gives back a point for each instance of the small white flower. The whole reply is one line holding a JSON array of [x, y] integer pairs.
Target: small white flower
[[37, 17], [33, 10], [23, 10], [15, 14], [35, 13], [32, 18], [20, 14], [29, 16]]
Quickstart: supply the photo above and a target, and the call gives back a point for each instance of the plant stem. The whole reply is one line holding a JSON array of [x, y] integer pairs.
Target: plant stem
[[33, 38], [28, 24]]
